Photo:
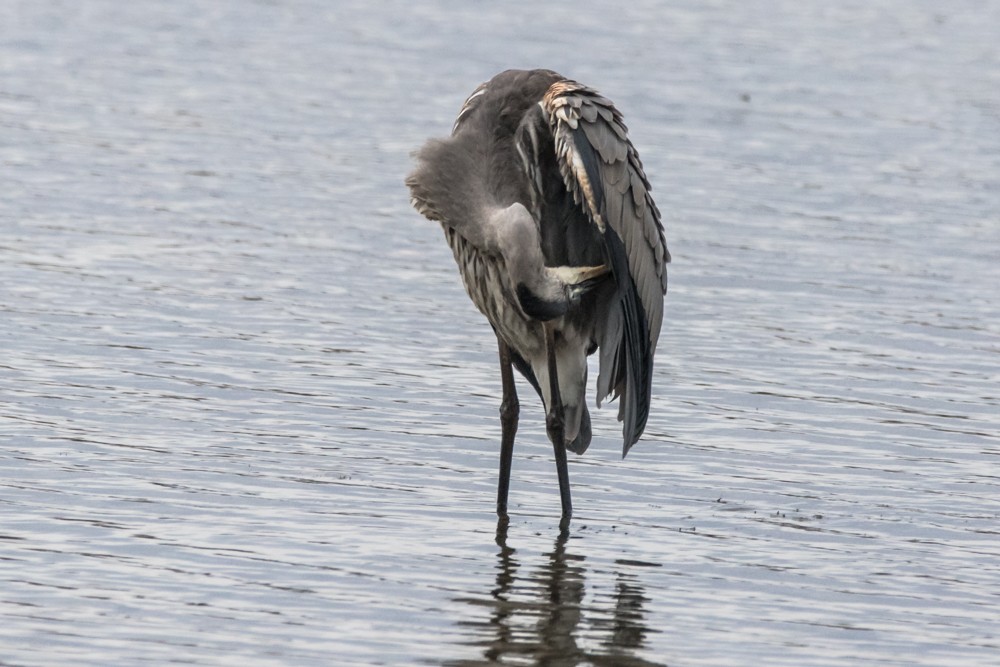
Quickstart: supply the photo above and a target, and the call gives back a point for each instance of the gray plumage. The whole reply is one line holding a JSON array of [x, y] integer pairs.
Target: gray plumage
[[547, 210]]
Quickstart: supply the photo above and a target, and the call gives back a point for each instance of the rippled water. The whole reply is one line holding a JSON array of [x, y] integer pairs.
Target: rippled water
[[249, 416]]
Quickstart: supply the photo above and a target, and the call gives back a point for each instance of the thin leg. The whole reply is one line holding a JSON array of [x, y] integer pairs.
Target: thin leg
[[555, 426], [510, 408]]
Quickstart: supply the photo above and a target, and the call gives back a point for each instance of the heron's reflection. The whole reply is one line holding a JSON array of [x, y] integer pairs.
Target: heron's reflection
[[540, 617]]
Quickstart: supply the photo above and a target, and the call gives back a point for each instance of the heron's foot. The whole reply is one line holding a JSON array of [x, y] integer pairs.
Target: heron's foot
[[564, 524], [502, 524]]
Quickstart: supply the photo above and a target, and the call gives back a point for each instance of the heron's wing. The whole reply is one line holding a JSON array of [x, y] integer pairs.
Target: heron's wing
[[470, 103], [601, 167], [444, 186], [452, 183]]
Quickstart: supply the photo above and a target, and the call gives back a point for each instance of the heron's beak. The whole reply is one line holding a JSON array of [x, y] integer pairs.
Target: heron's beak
[[561, 287], [580, 279]]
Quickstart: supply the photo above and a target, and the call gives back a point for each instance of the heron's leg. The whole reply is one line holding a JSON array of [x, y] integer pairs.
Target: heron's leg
[[510, 408], [555, 426]]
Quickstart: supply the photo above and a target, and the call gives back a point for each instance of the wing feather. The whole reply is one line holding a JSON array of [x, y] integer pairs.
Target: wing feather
[[601, 167]]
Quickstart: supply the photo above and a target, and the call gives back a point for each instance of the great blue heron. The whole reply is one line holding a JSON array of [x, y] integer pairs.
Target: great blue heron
[[545, 205]]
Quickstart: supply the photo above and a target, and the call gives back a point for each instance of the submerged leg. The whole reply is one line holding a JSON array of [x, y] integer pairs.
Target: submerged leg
[[555, 426], [509, 411]]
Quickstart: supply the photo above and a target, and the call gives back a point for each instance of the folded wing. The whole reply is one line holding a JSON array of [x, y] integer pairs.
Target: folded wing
[[601, 167]]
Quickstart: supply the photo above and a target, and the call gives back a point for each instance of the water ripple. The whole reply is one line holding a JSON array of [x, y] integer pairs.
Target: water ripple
[[250, 417]]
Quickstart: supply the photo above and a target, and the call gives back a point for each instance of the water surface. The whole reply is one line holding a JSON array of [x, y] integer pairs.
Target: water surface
[[249, 415]]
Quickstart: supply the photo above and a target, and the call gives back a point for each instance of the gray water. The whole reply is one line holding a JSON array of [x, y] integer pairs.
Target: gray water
[[249, 417]]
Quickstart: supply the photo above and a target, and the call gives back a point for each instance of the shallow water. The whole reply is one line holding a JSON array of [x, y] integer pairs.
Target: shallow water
[[249, 415]]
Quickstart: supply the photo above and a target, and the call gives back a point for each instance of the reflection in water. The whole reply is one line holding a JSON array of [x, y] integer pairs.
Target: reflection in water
[[540, 617]]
